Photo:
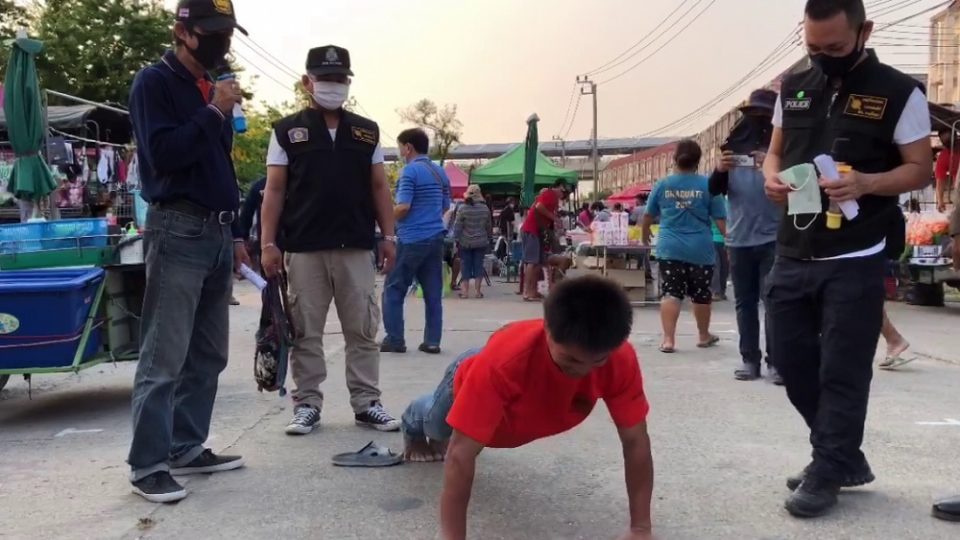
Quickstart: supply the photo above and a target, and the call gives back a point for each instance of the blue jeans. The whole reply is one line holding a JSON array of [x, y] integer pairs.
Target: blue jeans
[[422, 261], [471, 262], [721, 271], [426, 416], [185, 338], [749, 267]]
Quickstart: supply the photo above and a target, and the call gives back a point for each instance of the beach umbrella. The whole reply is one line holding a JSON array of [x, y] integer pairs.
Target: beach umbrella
[[531, 149]]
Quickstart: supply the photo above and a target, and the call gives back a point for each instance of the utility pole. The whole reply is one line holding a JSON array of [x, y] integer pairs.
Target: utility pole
[[563, 150], [586, 83]]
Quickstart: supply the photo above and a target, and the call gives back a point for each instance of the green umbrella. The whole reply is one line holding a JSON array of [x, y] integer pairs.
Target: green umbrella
[[532, 149], [31, 178]]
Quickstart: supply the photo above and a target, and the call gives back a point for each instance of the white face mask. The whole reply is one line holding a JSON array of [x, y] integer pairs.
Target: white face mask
[[330, 95]]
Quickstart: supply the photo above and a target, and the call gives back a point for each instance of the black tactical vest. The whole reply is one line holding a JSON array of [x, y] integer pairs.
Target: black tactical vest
[[863, 111], [329, 202]]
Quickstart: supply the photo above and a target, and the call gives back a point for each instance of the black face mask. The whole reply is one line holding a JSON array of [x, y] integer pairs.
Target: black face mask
[[838, 66], [211, 51]]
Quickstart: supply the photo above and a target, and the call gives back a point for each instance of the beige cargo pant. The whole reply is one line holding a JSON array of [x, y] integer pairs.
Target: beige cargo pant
[[347, 277]]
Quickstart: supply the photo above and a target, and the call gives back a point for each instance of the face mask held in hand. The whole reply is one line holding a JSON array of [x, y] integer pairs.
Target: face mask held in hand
[[804, 197], [330, 95], [211, 51]]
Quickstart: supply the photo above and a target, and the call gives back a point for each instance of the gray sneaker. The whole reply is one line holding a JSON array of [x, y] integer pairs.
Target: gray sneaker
[[305, 418]]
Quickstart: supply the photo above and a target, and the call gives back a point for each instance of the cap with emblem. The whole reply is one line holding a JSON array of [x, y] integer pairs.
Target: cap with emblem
[[209, 15], [328, 60]]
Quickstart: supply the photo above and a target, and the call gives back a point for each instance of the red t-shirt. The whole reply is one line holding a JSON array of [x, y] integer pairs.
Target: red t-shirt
[[533, 223], [944, 169], [512, 392]]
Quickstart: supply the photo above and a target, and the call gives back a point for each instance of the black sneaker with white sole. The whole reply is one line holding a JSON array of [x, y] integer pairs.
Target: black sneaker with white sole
[[159, 487], [207, 463], [305, 419], [378, 418]]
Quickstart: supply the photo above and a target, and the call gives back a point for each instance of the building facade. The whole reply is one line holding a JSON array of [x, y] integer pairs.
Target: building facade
[[642, 168], [944, 86]]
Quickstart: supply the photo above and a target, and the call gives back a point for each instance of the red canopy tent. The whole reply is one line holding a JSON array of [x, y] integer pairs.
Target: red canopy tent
[[628, 196], [458, 180]]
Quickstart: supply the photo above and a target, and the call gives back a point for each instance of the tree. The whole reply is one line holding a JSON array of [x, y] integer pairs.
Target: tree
[[250, 148], [12, 17], [93, 48], [443, 124]]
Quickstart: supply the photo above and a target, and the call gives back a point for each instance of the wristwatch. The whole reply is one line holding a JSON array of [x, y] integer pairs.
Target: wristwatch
[[390, 239]]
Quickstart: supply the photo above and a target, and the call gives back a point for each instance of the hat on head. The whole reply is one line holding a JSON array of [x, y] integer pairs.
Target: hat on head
[[329, 60], [473, 192], [209, 15], [761, 99]]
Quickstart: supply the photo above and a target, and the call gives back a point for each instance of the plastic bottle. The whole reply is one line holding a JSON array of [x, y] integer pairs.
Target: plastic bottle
[[834, 214], [111, 217], [239, 118]]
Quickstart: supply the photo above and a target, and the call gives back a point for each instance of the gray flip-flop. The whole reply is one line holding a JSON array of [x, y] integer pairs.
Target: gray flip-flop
[[370, 455], [709, 343]]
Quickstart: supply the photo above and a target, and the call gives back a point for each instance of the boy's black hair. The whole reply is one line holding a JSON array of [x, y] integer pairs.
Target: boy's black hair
[[820, 10], [417, 138], [687, 155], [589, 312]]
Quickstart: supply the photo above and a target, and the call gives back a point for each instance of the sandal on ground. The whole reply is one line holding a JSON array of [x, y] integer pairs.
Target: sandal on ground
[[667, 350], [709, 343], [370, 455]]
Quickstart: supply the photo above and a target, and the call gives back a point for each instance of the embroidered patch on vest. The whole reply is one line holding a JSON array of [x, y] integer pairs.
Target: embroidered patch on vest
[[364, 135], [298, 135], [870, 107], [797, 104]]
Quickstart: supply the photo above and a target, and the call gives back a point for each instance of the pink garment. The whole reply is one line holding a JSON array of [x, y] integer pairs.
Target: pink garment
[[122, 172]]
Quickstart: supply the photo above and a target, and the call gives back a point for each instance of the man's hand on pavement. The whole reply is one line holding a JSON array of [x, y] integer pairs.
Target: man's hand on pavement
[[776, 190], [387, 256]]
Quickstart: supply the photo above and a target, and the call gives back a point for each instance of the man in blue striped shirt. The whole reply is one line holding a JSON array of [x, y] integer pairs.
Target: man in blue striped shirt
[[423, 196]]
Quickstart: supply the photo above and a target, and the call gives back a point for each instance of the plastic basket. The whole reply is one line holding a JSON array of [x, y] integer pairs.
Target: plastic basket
[[58, 258], [50, 235]]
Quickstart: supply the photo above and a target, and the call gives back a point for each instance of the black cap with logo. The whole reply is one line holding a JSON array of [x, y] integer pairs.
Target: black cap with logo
[[329, 60], [209, 15]]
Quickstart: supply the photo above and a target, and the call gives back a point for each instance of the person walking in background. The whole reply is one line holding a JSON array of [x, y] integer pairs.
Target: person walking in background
[[945, 170], [685, 250], [193, 244], [423, 196], [896, 345], [326, 192], [506, 219], [585, 218], [636, 215], [751, 227], [722, 270], [473, 232]]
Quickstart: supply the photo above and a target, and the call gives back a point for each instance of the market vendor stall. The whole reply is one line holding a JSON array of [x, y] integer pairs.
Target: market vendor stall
[[929, 258], [71, 295]]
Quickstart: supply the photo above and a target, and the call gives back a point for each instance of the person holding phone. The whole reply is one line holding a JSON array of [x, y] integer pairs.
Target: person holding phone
[[752, 226]]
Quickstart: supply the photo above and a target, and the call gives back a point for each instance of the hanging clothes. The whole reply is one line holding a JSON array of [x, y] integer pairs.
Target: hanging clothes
[[105, 166]]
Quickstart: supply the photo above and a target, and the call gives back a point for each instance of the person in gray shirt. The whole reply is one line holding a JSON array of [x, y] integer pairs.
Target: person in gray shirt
[[752, 224]]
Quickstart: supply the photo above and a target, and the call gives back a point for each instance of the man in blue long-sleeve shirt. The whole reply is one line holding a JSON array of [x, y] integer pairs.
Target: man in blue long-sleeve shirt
[[193, 244]]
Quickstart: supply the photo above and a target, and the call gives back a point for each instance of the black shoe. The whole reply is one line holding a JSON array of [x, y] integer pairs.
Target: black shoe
[[862, 477], [747, 372], [387, 347], [378, 418], [947, 509], [159, 487], [429, 349], [774, 376], [305, 419], [814, 498], [208, 462]]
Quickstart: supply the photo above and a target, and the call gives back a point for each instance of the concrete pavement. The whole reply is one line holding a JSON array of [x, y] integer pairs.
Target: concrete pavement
[[722, 449]]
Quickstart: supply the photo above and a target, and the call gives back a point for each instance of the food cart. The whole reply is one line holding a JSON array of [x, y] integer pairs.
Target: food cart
[[71, 294]]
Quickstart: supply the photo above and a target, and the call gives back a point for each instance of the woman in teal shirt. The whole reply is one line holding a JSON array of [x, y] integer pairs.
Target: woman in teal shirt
[[685, 251]]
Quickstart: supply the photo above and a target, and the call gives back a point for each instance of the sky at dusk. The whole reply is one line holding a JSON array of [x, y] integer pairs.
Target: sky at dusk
[[501, 60]]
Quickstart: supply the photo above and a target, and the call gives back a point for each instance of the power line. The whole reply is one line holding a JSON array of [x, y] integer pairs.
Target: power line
[[660, 48], [895, 7], [566, 115], [608, 65], [263, 72], [249, 42], [574, 117]]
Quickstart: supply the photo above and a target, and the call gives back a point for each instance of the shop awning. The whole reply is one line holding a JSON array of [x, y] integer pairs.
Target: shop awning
[[629, 195], [458, 180], [504, 175]]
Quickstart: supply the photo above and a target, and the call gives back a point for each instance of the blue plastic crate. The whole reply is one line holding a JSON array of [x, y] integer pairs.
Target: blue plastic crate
[[58, 234], [42, 317]]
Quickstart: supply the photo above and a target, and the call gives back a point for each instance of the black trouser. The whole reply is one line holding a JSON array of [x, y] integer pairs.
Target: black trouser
[[749, 267], [826, 318]]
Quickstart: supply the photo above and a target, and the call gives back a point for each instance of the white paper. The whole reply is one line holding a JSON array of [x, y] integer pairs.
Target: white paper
[[253, 277], [828, 169]]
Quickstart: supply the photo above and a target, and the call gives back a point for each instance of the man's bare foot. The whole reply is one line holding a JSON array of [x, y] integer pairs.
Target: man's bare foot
[[423, 450]]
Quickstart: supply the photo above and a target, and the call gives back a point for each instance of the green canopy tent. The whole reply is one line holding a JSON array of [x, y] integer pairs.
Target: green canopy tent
[[504, 175], [31, 178]]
